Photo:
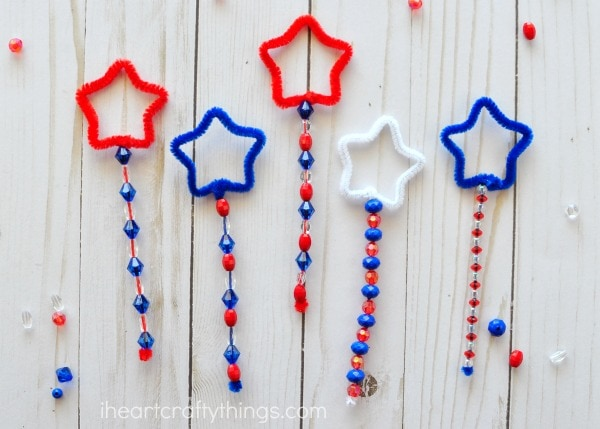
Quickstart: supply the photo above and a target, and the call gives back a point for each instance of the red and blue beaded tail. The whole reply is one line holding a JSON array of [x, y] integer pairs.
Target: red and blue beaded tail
[[370, 291], [135, 265], [230, 298], [306, 209]]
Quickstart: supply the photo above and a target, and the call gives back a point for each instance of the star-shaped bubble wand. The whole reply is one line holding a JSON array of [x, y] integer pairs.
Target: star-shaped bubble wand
[[218, 188], [483, 182], [375, 202], [124, 143], [304, 104]]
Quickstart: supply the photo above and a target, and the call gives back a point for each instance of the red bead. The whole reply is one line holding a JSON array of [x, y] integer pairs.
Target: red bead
[[222, 207], [471, 336], [304, 242], [471, 320], [476, 267], [357, 362], [529, 30], [230, 317], [363, 334], [474, 285], [469, 354], [474, 302], [228, 261], [368, 306], [305, 141], [354, 390], [233, 372], [371, 277], [481, 198], [372, 248], [476, 250], [301, 306], [145, 354], [477, 233], [373, 220], [59, 318], [300, 293], [415, 4], [306, 191], [478, 215], [15, 45], [516, 358]]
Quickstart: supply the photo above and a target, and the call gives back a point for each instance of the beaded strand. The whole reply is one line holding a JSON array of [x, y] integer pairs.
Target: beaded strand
[[475, 284], [135, 266], [370, 291], [306, 209]]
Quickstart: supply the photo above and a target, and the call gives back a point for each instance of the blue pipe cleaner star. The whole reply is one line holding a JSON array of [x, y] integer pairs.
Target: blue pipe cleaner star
[[491, 181], [218, 187]]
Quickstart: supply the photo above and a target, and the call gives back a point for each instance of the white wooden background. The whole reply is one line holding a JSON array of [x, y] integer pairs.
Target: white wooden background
[[61, 215]]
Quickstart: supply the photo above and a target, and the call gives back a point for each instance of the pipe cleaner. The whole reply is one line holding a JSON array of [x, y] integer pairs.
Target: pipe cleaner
[[218, 188], [304, 103], [482, 182], [375, 203], [124, 143]]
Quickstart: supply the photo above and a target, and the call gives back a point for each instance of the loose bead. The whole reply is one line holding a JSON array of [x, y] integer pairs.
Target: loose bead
[[299, 293], [64, 374], [222, 207], [230, 317], [305, 141], [363, 334], [233, 372], [357, 362], [371, 277], [529, 30], [57, 393], [15, 45], [372, 249], [228, 262], [374, 220], [306, 191], [558, 357], [27, 319], [497, 327], [59, 318], [304, 242], [368, 307], [415, 4], [516, 358], [354, 390]]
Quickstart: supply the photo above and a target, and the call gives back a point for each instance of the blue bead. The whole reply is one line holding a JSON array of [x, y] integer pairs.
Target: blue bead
[[467, 370], [303, 260], [359, 348], [373, 234], [127, 192], [373, 206], [355, 376], [57, 392], [131, 229], [135, 266], [226, 244], [64, 374], [231, 354], [141, 303], [230, 298], [306, 210], [306, 160], [366, 320], [305, 110], [370, 291], [371, 262], [123, 154], [146, 341], [497, 327], [235, 386]]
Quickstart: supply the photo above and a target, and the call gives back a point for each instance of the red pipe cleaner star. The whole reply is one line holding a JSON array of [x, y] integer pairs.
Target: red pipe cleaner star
[[91, 115], [334, 75]]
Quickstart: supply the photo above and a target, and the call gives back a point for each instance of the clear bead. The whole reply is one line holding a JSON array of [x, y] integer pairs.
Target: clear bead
[[558, 357], [305, 176], [475, 275], [470, 345], [350, 401], [471, 329], [301, 277], [226, 225], [57, 302], [572, 211], [306, 125], [481, 189], [473, 311], [480, 207], [477, 224], [474, 294], [476, 241], [27, 319], [305, 226], [475, 259], [233, 282]]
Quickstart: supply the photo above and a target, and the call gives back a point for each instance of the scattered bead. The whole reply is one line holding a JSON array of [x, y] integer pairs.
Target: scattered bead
[[59, 318], [415, 4], [57, 302], [516, 358], [558, 357], [15, 45], [572, 211], [57, 393], [529, 30], [350, 401], [497, 327], [27, 319], [222, 207], [64, 374]]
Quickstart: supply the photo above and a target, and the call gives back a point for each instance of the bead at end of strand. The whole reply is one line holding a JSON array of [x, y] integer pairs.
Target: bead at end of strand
[[145, 354]]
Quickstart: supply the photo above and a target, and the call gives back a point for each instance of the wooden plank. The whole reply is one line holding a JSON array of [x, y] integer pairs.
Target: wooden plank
[[556, 304], [39, 216]]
